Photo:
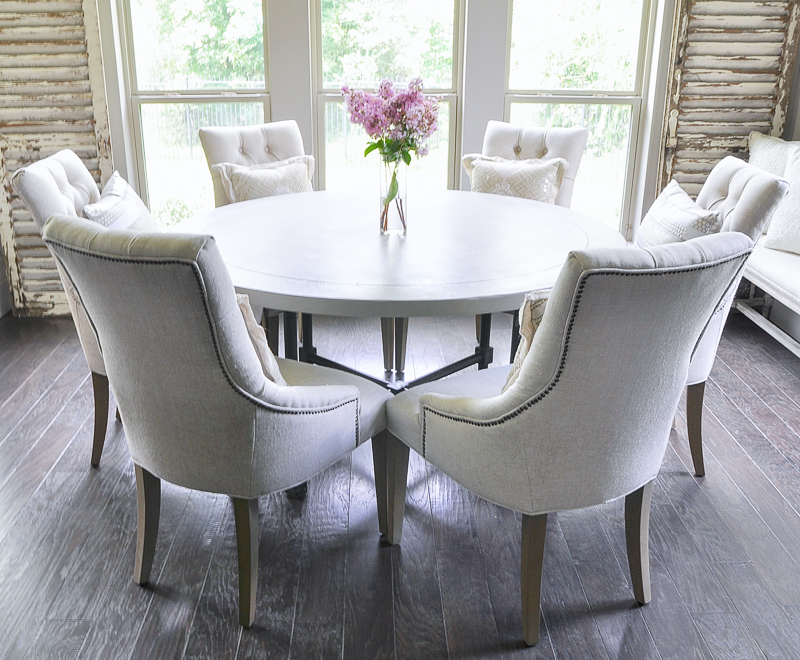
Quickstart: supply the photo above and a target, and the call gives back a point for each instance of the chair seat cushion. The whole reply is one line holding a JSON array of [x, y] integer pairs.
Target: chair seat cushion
[[534, 178], [243, 182], [120, 208], [674, 216], [403, 410], [373, 397]]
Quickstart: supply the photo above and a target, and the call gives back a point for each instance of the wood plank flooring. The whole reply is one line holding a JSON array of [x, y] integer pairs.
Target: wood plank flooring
[[725, 549]]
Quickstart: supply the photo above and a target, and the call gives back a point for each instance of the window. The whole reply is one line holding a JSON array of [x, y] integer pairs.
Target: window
[[360, 42], [585, 69], [192, 63]]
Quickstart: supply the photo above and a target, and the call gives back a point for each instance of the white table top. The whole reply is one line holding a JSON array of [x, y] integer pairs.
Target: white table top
[[465, 253]]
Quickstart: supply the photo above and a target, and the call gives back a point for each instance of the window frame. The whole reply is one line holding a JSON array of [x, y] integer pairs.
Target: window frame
[[452, 96], [634, 98], [138, 97]]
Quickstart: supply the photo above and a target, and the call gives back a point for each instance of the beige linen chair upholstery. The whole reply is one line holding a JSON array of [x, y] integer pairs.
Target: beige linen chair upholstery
[[199, 411], [520, 143], [589, 416], [746, 197], [61, 184], [249, 145]]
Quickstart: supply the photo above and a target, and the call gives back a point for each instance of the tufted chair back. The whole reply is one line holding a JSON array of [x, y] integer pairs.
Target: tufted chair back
[[61, 184], [249, 145], [57, 184], [746, 197], [519, 143]]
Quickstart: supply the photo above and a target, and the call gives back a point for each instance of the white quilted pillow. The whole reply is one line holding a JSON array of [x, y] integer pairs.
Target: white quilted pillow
[[784, 228], [269, 365], [120, 208], [675, 217], [243, 182], [534, 178]]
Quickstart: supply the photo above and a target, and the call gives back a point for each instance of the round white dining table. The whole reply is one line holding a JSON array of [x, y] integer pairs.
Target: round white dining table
[[464, 253]]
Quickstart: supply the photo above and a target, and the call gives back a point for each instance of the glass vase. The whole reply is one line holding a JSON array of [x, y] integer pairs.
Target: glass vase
[[393, 202]]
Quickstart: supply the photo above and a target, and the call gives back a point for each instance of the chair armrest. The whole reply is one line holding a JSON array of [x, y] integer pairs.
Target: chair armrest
[[312, 398]]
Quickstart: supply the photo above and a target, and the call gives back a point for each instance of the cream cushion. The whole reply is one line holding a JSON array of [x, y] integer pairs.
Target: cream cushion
[[243, 182], [675, 217], [534, 178], [259, 340], [784, 228], [119, 207], [530, 316], [771, 153]]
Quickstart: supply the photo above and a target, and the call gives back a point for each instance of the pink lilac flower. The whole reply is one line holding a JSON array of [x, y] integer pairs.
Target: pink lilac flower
[[398, 122]]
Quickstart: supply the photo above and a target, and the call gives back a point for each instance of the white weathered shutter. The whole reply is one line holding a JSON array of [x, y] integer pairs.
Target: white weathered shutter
[[730, 70], [52, 97]]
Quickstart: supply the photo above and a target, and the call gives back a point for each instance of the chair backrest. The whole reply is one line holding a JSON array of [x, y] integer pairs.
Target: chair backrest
[[520, 143], [61, 184], [57, 184], [249, 145], [177, 352], [743, 194], [746, 196], [598, 390]]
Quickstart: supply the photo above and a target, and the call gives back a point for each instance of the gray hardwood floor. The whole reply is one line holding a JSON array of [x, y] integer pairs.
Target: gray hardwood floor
[[725, 548]]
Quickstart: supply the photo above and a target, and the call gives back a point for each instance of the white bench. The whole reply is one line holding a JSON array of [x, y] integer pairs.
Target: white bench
[[777, 274]]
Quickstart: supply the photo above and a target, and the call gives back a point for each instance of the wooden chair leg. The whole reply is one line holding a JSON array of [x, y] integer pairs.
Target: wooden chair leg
[[387, 338], [694, 423], [390, 460], [100, 388], [245, 513], [148, 496], [534, 530], [637, 527]]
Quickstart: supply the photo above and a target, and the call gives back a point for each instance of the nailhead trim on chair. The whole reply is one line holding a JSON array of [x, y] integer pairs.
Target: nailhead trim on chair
[[198, 277], [562, 363]]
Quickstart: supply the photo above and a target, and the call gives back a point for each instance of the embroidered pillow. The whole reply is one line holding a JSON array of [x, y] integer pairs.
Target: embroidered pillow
[[675, 217], [120, 208], [530, 316], [770, 153], [259, 339], [534, 178], [243, 182], [784, 228]]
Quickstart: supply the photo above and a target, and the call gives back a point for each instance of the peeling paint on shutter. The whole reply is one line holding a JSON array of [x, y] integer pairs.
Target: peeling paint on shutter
[[730, 70], [52, 97]]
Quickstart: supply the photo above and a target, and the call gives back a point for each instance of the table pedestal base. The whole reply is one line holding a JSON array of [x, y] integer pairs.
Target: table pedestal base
[[483, 356]]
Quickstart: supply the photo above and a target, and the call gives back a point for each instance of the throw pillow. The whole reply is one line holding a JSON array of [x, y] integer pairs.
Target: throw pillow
[[675, 217], [784, 228], [770, 153], [120, 208], [259, 339], [243, 182], [530, 316], [534, 178]]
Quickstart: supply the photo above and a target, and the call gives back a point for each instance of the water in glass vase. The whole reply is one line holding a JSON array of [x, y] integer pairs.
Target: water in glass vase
[[393, 201]]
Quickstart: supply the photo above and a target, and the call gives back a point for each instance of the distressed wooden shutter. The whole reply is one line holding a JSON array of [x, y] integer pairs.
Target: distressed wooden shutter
[[730, 73], [52, 97]]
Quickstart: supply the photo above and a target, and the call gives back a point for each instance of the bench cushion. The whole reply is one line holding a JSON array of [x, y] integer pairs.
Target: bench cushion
[[778, 273]]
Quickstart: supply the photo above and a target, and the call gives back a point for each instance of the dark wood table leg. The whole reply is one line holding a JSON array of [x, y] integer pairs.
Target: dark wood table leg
[[290, 349], [484, 350]]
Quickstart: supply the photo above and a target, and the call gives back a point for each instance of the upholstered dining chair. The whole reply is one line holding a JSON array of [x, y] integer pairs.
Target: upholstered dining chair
[[251, 145], [199, 410], [589, 414], [61, 184], [745, 197], [518, 143], [513, 142]]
